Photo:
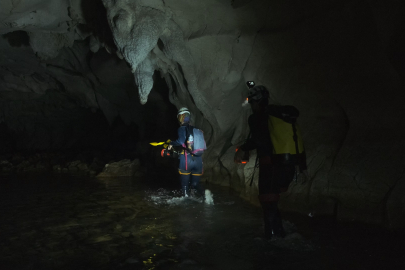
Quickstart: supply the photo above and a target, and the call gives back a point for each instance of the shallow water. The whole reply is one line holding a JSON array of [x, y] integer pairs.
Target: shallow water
[[61, 222]]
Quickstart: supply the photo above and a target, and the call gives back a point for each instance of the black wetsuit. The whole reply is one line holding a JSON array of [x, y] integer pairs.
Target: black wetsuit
[[275, 174]]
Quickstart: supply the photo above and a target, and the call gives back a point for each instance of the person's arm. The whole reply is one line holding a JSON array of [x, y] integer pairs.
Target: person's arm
[[181, 132], [250, 144]]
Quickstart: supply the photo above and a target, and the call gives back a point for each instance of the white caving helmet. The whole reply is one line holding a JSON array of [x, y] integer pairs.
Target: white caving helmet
[[183, 110]]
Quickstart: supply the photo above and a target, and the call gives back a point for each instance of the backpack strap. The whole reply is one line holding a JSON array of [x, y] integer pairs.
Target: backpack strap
[[295, 137], [187, 135], [188, 128], [287, 113]]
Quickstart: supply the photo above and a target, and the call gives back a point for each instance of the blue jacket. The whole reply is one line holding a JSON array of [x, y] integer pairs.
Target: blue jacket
[[181, 136]]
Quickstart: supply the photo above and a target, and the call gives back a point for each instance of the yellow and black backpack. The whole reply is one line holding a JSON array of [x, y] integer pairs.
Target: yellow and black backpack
[[286, 138], [285, 134]]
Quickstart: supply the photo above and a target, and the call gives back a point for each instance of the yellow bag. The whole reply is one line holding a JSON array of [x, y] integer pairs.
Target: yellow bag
[[282, 137]]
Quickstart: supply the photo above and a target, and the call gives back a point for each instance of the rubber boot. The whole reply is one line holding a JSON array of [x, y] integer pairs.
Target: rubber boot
[[278, 229], [273, 223], [185, 191]]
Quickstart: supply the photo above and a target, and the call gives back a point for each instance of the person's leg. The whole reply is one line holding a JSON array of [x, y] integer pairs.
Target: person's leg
[[185, 180], [266, 196], [185, 174], [266, 176], [268, 229], [272, 220], [285, 176], [281, 178], [196, 173], [277, 221], [196, 185]]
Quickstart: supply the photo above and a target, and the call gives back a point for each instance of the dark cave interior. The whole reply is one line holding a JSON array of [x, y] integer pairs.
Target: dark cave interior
[[87, 85], [56, 124]]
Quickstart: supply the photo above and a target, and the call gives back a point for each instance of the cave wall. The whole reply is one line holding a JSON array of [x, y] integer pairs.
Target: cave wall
[[339, 62], [77, 100]]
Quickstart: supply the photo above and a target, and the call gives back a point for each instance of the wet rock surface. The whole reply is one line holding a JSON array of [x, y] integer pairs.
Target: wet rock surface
[[124, 167], [122, 223], [85, 163]]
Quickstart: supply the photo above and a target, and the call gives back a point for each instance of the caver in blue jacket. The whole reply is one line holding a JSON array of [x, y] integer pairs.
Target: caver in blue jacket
[[191, 166]]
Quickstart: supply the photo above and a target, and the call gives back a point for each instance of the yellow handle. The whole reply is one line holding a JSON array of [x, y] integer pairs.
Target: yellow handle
[[156, 143], [165, 144]]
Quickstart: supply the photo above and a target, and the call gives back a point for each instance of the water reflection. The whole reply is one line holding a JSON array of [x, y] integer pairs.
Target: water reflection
[[84, 223]]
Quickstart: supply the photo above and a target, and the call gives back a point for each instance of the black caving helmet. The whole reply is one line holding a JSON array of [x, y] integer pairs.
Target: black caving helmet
[[258, 93]]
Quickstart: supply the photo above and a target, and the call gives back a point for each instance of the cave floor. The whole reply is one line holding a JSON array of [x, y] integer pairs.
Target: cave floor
[[67, 222]]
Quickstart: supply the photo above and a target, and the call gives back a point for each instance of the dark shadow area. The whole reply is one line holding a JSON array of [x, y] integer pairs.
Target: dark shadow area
[[7, 139], [364, 246], [396, 51], [163, 126], [122, 137], [95, 15], [54, 133], [161, 45], [17, 38], [155, 121]]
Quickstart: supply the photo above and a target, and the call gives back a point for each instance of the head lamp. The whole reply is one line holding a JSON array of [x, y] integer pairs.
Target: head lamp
[[250, 84]]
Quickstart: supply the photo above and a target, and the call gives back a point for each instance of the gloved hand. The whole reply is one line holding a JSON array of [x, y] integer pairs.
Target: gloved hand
[[239, 156], [169, 147]]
